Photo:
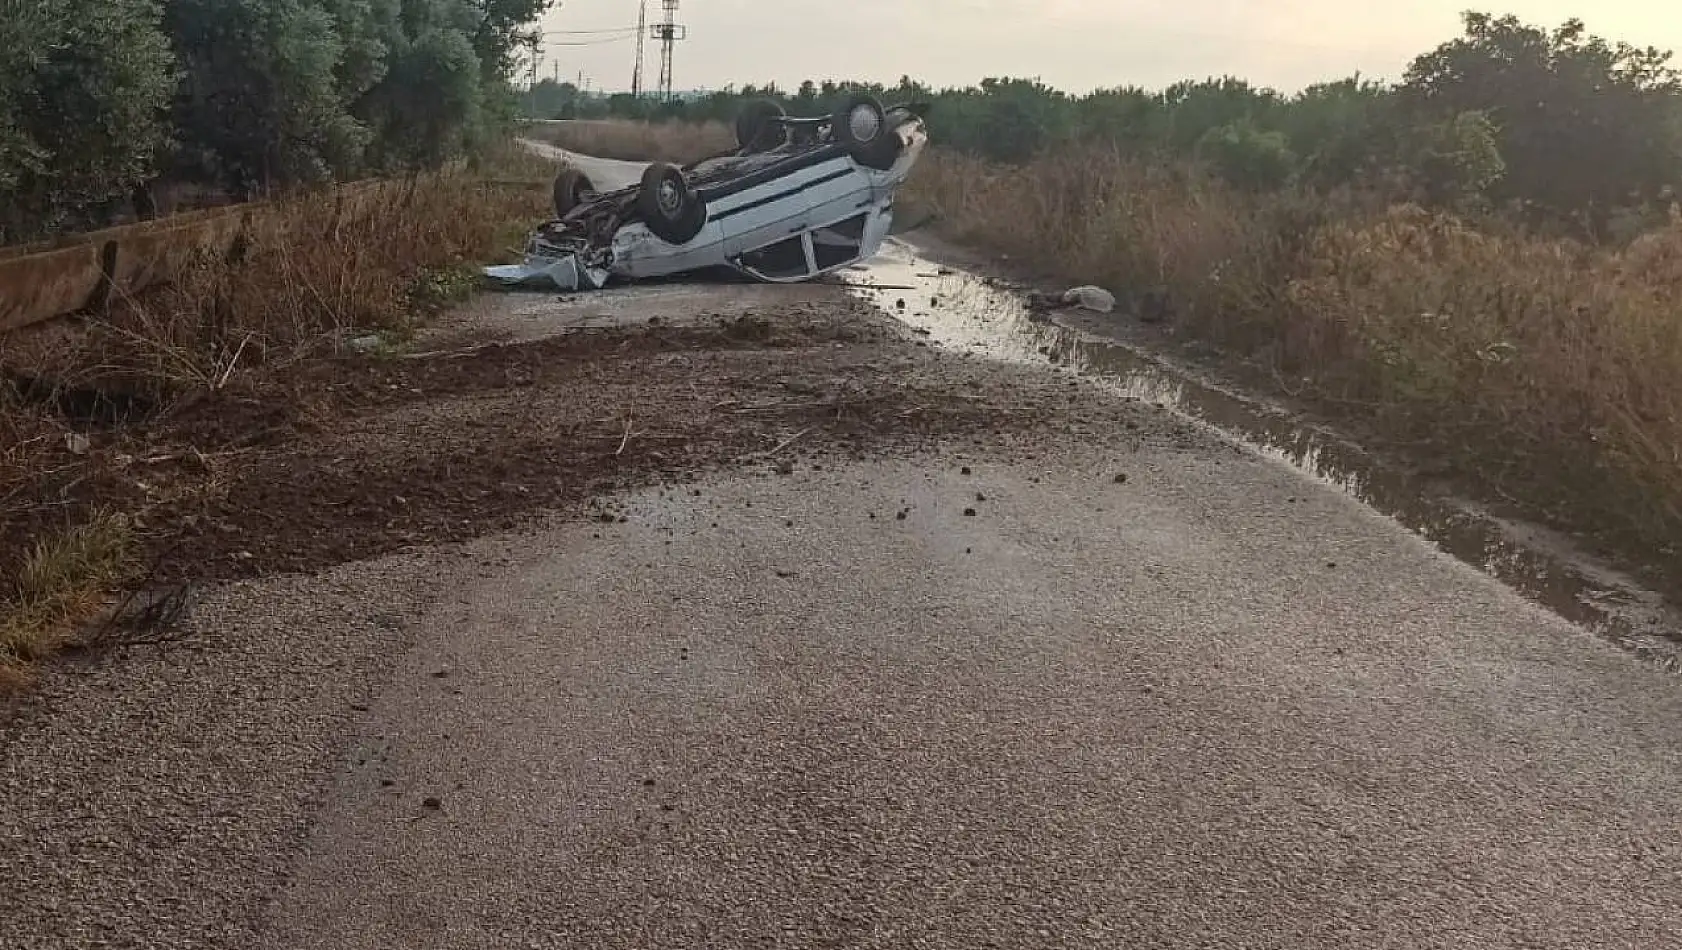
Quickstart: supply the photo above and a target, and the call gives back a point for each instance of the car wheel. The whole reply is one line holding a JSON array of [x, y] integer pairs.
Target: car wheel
[[757, 128], [861, 127], [670, 208], [572, 188]]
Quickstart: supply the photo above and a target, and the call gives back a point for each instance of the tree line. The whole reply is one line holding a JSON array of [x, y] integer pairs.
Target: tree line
[[100, 100], [1557, 124]]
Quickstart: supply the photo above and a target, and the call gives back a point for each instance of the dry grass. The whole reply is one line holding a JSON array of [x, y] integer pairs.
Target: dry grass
[[58, 584], [316, 272], [680, 142], [1551, 372]]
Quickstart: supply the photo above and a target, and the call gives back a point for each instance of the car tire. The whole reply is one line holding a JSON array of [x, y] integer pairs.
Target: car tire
[[669, 206], [757, 128], [860, 126], [572, 188]]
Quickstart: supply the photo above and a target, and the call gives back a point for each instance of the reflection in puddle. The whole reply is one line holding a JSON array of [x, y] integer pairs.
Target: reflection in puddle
[[963, 312]]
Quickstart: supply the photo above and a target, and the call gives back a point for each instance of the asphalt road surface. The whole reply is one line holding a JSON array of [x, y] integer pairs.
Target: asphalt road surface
[[988, 693], [1179, 712], [607, 174]]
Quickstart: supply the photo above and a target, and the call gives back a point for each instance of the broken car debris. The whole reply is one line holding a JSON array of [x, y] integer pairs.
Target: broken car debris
[[802, 197]]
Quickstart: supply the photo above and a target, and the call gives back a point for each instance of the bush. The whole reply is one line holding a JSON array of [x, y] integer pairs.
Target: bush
[[1247, 157]]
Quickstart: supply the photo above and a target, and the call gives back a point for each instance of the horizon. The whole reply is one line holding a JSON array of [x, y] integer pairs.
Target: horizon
[[1077, 46]]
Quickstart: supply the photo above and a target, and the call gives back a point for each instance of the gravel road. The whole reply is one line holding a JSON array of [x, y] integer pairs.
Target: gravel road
[[1076, 677]]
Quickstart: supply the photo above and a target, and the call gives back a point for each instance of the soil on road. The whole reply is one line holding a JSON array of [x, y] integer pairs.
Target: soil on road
[[762, 625]]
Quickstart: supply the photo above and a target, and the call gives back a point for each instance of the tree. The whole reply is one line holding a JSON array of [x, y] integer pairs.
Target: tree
[[1583, 125], [83, 86], [1019, 118], [428, 108], [1248, 157], [1342, 130], [261, 103], [1456, 161], [1191, 109]]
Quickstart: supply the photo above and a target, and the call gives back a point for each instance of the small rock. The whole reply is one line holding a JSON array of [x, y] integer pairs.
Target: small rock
[[77, 443], [964, 470], [1090, 298], [433, 802], [1121, 478], [969, 512]]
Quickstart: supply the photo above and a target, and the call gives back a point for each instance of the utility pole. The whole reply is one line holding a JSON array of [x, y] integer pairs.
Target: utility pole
[[668, 33], [531, 87], [642, 32]]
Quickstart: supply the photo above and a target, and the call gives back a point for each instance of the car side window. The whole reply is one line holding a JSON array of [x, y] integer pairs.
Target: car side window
[[785, 258], [838, 243]]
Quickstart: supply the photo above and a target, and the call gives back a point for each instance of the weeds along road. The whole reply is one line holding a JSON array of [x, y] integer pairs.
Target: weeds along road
[[735, 617]]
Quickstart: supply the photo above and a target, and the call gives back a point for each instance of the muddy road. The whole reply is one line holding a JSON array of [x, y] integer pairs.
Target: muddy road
[[747, 617]]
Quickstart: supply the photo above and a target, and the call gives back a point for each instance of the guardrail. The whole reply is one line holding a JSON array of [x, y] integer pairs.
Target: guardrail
[[82, 272]]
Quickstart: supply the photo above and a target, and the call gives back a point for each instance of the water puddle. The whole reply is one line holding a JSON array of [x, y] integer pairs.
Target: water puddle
[[960, 311]]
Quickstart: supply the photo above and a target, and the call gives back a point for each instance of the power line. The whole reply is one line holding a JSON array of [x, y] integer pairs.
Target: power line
[[616, 39], [617, 29]]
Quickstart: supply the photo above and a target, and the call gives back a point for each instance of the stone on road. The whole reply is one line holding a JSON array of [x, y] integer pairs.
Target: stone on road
[[1096, 714]]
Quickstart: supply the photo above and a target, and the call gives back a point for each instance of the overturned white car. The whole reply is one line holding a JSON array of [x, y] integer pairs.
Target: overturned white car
[[801, 198]]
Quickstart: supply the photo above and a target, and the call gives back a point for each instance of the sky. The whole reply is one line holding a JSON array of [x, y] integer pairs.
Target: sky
[[1076, 45]]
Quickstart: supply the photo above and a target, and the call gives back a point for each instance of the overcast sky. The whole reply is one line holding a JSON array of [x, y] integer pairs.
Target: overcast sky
[[1076, 45]]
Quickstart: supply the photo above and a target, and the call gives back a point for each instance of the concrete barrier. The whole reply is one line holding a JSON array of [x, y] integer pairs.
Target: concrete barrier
[[78, 272], [46, 285]]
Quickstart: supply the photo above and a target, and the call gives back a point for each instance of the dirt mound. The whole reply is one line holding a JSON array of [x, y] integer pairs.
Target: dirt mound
[[361, 455]]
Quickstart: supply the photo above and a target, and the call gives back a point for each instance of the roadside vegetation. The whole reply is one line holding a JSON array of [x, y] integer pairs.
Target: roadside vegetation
[[1479, 266], [112, 110], [81, 403]]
